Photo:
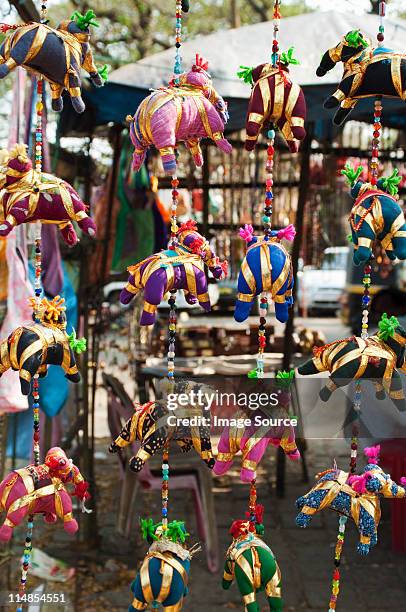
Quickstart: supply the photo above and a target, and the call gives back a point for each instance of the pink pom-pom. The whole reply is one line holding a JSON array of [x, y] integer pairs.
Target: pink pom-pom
[[358, 483], [372, 453], [287, 233], [403, 481], [246, 232]]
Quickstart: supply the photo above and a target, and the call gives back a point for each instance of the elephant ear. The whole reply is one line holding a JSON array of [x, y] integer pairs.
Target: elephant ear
[[245, 73], [391, 183], [148, 529], [355, 38], [284, 379], [351, 174], [177, 532]]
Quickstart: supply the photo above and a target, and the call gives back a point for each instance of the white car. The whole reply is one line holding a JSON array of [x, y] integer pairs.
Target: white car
[[319, 289]]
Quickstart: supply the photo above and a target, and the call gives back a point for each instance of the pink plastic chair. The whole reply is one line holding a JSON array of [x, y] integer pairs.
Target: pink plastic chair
[[192, 475]]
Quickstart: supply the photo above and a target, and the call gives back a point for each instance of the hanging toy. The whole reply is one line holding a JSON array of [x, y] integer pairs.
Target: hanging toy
[[357, 497], [56, 55], [252, 564], [188, 110], [376, 215], [149, 424], [30, 348], [27, 195], [267, 266], [164, 573], [368, 72], [274, 99], [182, 266], [253, 441], [377, 358], [42, 490]]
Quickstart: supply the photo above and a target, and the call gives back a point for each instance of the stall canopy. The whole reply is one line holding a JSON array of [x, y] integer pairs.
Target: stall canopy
[[311, 33]]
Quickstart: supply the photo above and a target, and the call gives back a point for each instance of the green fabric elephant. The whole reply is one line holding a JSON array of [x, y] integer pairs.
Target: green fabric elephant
[[252, 564]]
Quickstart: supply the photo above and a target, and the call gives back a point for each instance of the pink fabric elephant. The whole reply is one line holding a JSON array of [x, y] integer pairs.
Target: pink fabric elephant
[[27, 195], [186, 111], [253, 443], [41, 490]]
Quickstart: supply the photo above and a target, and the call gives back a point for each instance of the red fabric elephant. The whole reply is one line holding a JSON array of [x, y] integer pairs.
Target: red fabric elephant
[[41, 490]]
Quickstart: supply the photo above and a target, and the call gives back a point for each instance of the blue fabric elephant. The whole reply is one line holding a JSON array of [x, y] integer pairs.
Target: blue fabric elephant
[[376, 215], [266, 267], [164, 573], [354, 496]]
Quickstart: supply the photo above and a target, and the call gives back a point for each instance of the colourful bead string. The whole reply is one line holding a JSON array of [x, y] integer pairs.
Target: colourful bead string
[[252, 500], [373, 165], [276, 21], [382, 14], [165, 487], [178, 41]]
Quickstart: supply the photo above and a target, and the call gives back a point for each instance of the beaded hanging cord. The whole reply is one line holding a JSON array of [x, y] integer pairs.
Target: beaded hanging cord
[[366, 302]]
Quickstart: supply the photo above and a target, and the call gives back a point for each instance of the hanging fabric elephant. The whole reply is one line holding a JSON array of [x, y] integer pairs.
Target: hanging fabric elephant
[[368, 72], [164, 573], [266, 267], [274, 99], [27, 195], [253, 441], [251, 563], [56, 55], [179, 267], [149, 424], [32, 347], [376, 215], [42, 490], [354, 496], [377, 358], [186, 111]]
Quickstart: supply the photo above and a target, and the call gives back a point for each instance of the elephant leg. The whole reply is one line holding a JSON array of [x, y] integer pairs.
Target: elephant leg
[[86, 223], [343, 112], [168, 158], [13, 519], [151, 445], [70, 525], [246, 589], [399, 244], [364, 245], [255, 118], [189, 297], [310, 504], [243, 306], [139, 602], [396, 392], [68, 234], [339, 378], [201, 288], [282, 311], [56, 95], [42, 371], [16, 57], [194, 147], [28, 370], [129, 291], [251, 460], [224, 457], [154, 291], [367, 528], [340, 94], [74, 90], [202, 445], [72, 373]]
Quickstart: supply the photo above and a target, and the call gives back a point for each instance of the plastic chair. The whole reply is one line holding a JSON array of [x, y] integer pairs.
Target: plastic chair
[[393, 458], [187, 472]]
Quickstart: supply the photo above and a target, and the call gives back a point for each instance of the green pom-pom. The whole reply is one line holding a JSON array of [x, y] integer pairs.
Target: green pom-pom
[[104, 72], [86, 20], [355, 39], [387, 327], [77, 344], [288, 58], [252, 374], [390, 183], [177, 532], [349, 238], [148, 529], [260, 529], [352, 175], [245, 73], [284, 378]]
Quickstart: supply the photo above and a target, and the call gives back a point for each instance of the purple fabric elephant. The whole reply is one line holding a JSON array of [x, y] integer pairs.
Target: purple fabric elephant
[[27, 195], [179, 267], [186, 111]]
